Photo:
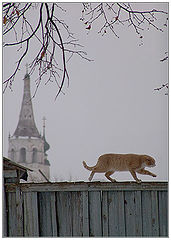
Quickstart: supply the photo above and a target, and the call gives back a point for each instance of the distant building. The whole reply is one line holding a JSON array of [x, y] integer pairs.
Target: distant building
[[13, 172], [26, 146]]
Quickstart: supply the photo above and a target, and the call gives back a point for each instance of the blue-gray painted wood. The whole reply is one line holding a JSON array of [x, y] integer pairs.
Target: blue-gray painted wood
[[47, 214], [95, 221], [108, 213], [64, 213], [77, 214], [31, 224], [4, 221], [133, 221], [19, 212], [154, 214], [116, 214], [12, 218], [85, 214], [146, 213], [163, 213], [53, 214], [86, 186], [138, 213], [105, 214]]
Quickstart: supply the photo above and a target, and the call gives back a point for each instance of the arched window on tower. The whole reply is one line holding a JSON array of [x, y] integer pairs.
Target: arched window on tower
[[22, 155], [12, 154], [34, 157]]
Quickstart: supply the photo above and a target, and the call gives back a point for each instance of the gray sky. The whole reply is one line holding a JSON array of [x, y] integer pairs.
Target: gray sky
[[109, 107]]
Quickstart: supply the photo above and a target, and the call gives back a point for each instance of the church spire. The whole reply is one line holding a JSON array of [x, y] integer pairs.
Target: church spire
[[26, 124]]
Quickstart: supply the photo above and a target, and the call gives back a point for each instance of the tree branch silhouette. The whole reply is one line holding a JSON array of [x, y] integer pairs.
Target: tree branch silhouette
[[55, 43]]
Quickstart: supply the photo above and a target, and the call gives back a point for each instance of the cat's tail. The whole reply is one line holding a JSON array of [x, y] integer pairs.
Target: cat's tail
[[87, 167]]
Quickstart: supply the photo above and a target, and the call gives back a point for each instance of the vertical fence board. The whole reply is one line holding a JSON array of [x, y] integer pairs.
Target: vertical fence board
[[53, 214], [47, 214], [146, 213], [116, 213], [64, 213], [31, 226], [129, 213], [133, 221], [12, 218], [105, 221], [19, 212], [77, 214], [138, 213], [95, 213], [85, 214], [5, 233], [155, 215], [163, 213]]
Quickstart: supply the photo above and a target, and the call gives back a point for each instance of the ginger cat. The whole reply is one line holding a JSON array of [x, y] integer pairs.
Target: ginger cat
[[109, 163]]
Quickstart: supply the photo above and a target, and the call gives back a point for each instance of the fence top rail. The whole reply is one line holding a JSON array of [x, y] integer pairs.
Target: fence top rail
[[87, 186]]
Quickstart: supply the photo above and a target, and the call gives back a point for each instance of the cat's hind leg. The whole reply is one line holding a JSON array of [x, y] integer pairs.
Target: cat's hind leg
[[145, 172], [107, 175], [91, 175], [135, 176]]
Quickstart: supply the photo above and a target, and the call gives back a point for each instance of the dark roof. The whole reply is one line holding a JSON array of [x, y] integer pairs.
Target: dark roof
[[10, 165]]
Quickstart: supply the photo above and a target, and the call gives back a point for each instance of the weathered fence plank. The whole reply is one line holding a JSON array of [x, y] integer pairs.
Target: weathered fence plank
[[19, 212], [154, 214], [105, 217], [77, 214], [12, 215], [47, 214], [53, 214], [64, 213], [138, 213], [116, 214], [163, 213], [106, 211], [133, 221], [95, 214], [31, 225], [4, 220], [85, 214], [146, 213], [87, 186]]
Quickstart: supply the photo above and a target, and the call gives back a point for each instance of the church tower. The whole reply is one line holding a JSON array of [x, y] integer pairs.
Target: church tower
[[27, 147]]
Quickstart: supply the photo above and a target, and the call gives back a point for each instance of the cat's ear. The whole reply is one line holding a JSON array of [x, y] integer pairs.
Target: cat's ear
[[148, 158]]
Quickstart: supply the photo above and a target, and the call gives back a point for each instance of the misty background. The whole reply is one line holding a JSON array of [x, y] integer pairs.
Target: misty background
[[110, 105]]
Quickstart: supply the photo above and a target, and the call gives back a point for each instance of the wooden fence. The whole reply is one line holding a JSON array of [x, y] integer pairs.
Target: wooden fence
[[86, 209]]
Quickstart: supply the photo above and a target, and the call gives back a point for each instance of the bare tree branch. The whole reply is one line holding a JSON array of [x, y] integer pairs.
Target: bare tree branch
[[52, 48], [119, 13], [164, 86], [55, 43]]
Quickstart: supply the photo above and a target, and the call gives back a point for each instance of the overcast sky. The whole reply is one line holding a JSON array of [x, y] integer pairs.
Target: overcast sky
[[110, 105]]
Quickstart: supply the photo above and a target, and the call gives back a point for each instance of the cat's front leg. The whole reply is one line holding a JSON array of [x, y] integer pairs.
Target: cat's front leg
[[146, 172], [135, 176]]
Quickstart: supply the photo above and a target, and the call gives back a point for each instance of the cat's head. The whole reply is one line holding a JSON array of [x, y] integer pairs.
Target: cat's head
[[149, 161]]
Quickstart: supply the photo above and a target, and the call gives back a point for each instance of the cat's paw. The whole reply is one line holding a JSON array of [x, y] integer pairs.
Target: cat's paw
[[90, 179], [138, 181], [154, 175], [113, 180]]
